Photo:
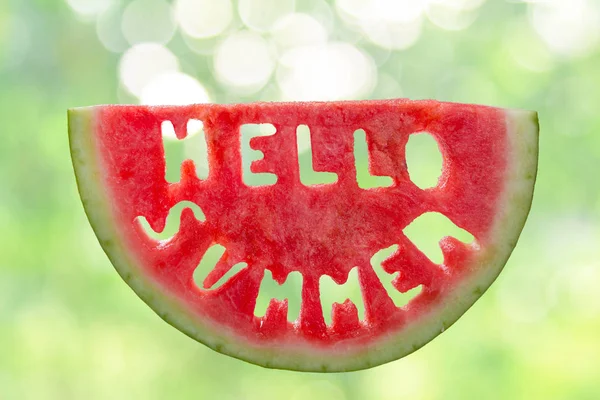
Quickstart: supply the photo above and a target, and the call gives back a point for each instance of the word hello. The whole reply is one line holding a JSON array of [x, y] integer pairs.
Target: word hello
[[196, 142]]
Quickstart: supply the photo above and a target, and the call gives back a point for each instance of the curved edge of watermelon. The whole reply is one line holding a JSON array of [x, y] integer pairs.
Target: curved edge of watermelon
[[523, 130]]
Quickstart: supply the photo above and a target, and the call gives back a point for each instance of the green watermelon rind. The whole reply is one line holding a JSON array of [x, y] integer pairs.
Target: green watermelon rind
[[522, 128]]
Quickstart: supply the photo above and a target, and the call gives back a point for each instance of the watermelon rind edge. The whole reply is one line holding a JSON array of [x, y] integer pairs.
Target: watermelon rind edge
[[523, 132]]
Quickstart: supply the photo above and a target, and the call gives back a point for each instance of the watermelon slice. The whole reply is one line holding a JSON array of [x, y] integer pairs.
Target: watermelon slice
[[486, 188]]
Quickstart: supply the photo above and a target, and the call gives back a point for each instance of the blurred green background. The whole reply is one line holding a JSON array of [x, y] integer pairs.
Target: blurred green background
[[71, 329]]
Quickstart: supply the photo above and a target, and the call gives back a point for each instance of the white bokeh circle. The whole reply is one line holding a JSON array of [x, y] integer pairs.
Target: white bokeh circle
[[142, 63]]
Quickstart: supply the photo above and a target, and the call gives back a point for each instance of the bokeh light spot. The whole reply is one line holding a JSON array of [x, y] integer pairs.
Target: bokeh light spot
[[298, 29], [333, 71], [465, 5], [89, 8], [148, 21], [261, 15], [394, 36], [108, 29], [450, 18], [142, 63], [387, 87], [391, 24], [527, 48], [244, 61], [173, 88], [204, 46], [374, 11], [569, 28], [203, 18]]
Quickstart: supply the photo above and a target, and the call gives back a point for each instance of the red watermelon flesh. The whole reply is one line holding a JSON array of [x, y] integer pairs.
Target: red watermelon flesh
[[490, 160]]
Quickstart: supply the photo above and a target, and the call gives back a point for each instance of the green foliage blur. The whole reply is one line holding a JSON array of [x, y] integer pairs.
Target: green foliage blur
[[70, 328]]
